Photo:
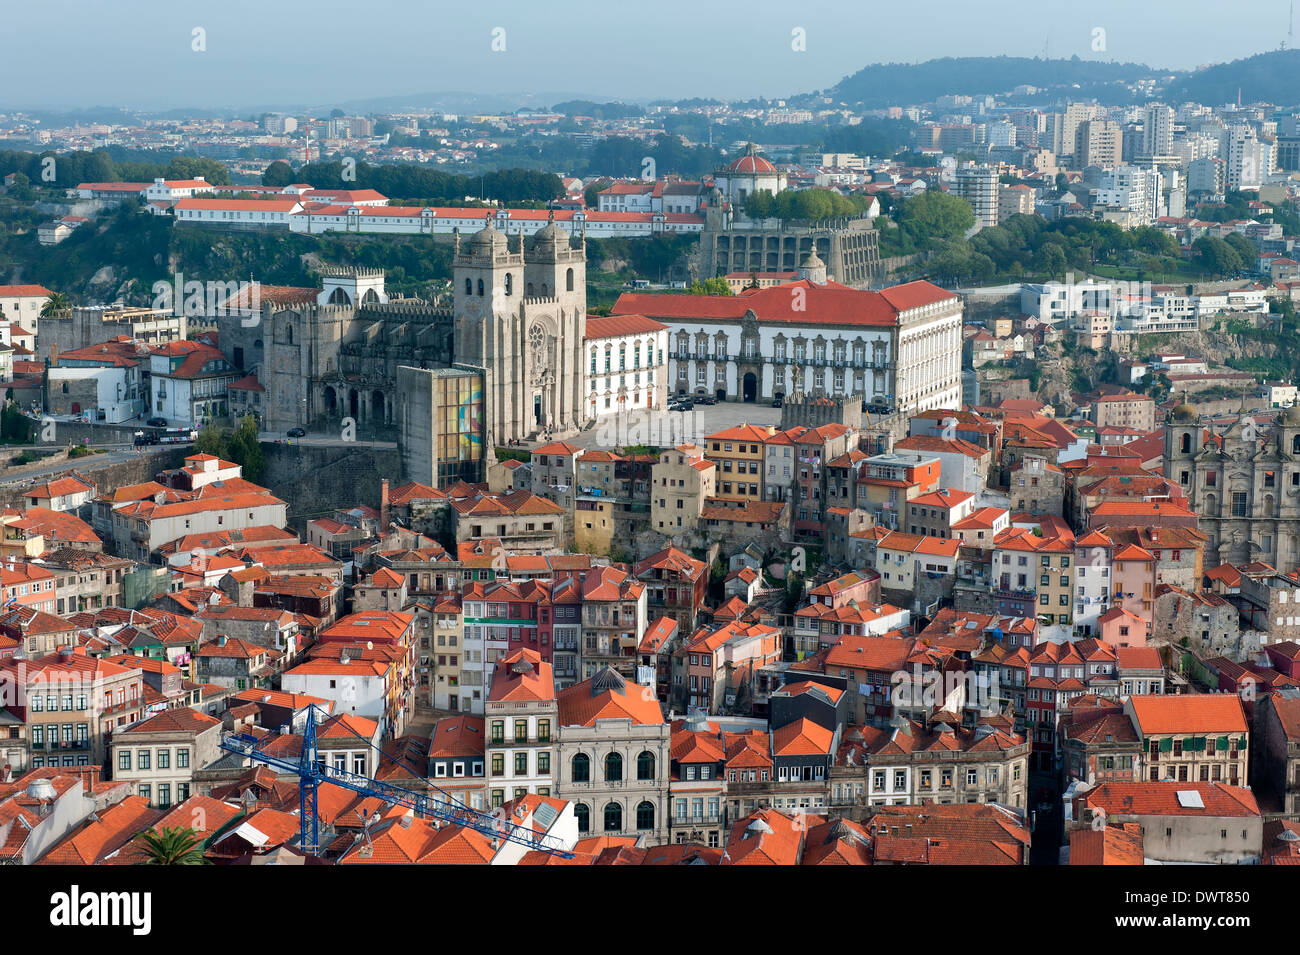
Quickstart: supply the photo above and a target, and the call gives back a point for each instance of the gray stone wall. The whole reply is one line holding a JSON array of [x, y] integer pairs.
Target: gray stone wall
[[314, 481]]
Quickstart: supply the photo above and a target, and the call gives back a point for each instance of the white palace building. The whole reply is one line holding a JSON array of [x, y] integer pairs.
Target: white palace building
[[899, 347], [314, 213]]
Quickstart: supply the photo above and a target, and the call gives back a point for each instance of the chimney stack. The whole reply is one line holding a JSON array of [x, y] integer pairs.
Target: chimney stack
[[383, 507]]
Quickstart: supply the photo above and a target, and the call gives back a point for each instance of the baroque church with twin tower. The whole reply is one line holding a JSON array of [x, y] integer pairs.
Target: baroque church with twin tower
[[1243, 481]]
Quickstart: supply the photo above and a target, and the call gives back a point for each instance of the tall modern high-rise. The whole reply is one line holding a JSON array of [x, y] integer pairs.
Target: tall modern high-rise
[[1001, 133], [1075, 113], [1158, 131], [1098, 142], [1207, 175], [978, 185], [1132, 188], [1250, 159], [1288, 144]]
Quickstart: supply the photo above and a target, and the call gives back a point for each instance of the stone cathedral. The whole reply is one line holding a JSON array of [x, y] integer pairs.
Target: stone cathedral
[[520, 315], [517, 318]]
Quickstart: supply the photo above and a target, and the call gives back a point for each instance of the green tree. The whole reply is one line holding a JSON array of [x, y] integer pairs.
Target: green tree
[[714, 286], [239, 445], [279, 174], [1050, 259], [15, 427], [212, 440], [760, 204], [1215, 256], [1242, 246], [170, 846], [246, 451], [935, 216], [57, 302], [952, 263], [22, 188]]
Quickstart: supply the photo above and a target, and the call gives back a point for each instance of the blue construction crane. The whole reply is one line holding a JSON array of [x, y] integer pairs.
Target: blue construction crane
[[311, 773]]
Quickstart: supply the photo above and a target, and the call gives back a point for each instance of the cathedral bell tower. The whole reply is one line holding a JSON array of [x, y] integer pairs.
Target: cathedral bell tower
[[486, 280], [520, 315], [555, 307]]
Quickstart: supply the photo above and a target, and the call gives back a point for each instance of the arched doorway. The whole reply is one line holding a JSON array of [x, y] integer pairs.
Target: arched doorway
[[749, 386], [377, 406], [331, 401], [353, 403]]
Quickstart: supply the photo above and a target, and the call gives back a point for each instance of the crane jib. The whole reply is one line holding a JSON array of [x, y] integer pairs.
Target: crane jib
[[311, 773]]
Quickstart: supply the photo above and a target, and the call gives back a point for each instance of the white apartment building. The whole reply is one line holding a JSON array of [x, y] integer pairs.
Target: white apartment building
[[140, 527], [1092, 582], [246, 213], [22, 304], [188, 382], [1158, 131], [1132, 188], [521, 720], [627, 364], [979, 185], [1057, 302], [1250, 159], [110, 394]]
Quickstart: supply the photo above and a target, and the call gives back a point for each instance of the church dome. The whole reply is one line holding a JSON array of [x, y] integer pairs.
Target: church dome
[[1291, 416], [488, 240], [813, 261], [551, 235], [1184, 413], [751, 164]]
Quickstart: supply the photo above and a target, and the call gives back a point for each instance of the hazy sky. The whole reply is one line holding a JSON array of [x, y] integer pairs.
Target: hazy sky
[[62, 53]]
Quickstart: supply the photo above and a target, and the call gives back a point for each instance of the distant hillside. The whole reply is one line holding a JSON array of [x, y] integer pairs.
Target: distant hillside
[[883, 84], [121, 255], [1267, 77]]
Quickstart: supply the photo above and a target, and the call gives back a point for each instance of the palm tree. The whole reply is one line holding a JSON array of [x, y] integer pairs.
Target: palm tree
[[171, 846], [57, 302]]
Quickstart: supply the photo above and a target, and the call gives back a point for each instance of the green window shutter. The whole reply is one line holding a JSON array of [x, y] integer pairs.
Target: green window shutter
[[1241, 743], [1166, 745], [1189, 743], [1222, 743]]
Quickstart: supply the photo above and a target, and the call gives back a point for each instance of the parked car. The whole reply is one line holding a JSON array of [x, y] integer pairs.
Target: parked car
[[297, 432], [777, 402], [157, 422], [706, 400]]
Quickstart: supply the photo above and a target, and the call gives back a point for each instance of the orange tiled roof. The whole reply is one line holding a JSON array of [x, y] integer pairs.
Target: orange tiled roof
[[1190, 714], [608, 696]]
